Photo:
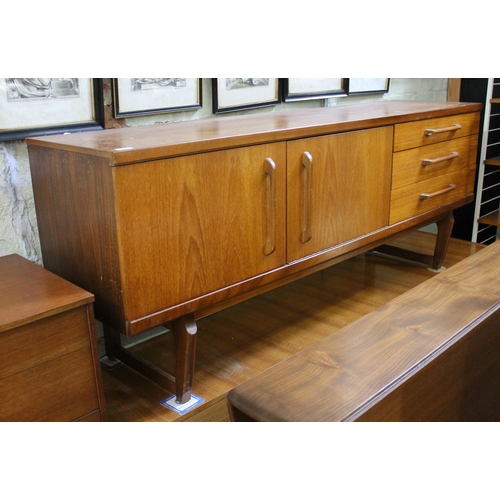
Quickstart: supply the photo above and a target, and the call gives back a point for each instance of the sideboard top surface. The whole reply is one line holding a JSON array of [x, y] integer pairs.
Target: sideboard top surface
[[150, 142]]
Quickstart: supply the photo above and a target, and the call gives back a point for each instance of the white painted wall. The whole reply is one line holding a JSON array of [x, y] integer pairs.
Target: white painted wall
[[18, 228]]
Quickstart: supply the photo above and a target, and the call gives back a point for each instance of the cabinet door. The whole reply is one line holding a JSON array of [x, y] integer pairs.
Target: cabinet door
[[338, 189], [191, 225]]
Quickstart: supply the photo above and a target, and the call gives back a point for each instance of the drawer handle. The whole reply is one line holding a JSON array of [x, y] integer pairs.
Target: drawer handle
[[433, 131], [427, 196], [431, 161], [270, 244], [307, 164]]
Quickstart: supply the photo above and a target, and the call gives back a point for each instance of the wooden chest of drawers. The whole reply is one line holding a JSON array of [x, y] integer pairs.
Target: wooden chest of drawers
[[49, 367], [167, 223]]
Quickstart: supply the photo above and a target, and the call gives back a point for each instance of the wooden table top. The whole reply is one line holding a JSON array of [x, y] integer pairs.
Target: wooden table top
[[343, 375], [29, 293]]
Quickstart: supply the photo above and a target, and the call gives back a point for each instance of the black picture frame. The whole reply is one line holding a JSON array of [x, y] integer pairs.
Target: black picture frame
[[93, 122], [239, 94], [356, 86], [151, 96], [301, 89]]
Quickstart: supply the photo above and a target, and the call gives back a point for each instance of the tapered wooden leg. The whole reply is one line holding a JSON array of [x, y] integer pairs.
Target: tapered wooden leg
[[434, 261], [444, 228], [184, 330]]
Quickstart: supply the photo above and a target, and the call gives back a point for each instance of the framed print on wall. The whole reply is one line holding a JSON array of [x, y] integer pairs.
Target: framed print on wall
[[299, 89], [43, 106], [236, 94], [147, 96], [367, 85]]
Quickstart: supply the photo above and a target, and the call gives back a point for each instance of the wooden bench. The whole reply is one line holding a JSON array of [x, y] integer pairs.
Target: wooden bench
[[431, 354]]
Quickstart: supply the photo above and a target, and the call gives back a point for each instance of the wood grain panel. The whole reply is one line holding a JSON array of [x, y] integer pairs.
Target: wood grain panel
[[462, 384], [75, 214], [191, 225], [350, 188]]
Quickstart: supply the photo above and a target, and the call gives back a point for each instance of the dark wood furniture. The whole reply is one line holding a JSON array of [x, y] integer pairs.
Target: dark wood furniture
[[49, 366], [167, 223], [431, 354]]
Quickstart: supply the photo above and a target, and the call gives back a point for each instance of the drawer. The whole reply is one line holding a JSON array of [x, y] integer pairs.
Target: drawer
[[59, 390], [419, 164], [29, 345], [424, 132], [407, 202]]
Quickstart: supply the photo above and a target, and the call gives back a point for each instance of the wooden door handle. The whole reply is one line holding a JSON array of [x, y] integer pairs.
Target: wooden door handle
[[270, 243], [431, 161], [434, 131], [307, 166], [427, 196]]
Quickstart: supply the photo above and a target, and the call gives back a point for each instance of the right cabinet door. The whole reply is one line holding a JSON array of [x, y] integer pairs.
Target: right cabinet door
[[338, 188]]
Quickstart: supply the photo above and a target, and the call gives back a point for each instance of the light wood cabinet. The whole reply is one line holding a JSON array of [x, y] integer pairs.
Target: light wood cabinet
[[167, 223]]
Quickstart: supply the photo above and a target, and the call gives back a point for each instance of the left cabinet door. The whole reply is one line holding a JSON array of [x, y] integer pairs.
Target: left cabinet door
[[191, 225]]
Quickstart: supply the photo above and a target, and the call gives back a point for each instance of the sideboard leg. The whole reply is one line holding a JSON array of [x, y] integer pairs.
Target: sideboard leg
[[444, 228], [184, 330], [112, 342]]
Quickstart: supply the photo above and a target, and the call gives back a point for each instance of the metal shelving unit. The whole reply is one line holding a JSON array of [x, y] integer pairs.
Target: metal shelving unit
[[486, 226]]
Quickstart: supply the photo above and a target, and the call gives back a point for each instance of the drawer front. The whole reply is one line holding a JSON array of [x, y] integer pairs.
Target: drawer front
[[60, 390], [407, 201], [424, 132], [419, 164], [46, 339]]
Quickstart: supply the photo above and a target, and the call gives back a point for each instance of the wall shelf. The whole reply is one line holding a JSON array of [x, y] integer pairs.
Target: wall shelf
[[492, 219], [493, 162]]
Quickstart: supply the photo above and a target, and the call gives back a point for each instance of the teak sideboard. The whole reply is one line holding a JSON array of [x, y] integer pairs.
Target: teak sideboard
[[170, 222]]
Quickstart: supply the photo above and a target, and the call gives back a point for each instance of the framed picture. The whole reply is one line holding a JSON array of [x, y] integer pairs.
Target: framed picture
[[147, 96], [43, 106], [299, 89], [235, 94], [367, 85]]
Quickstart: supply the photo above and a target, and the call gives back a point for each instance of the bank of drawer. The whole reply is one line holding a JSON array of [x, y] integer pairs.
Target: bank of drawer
[[424, 132], [419, 164], [406, 201], [29, 345]]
